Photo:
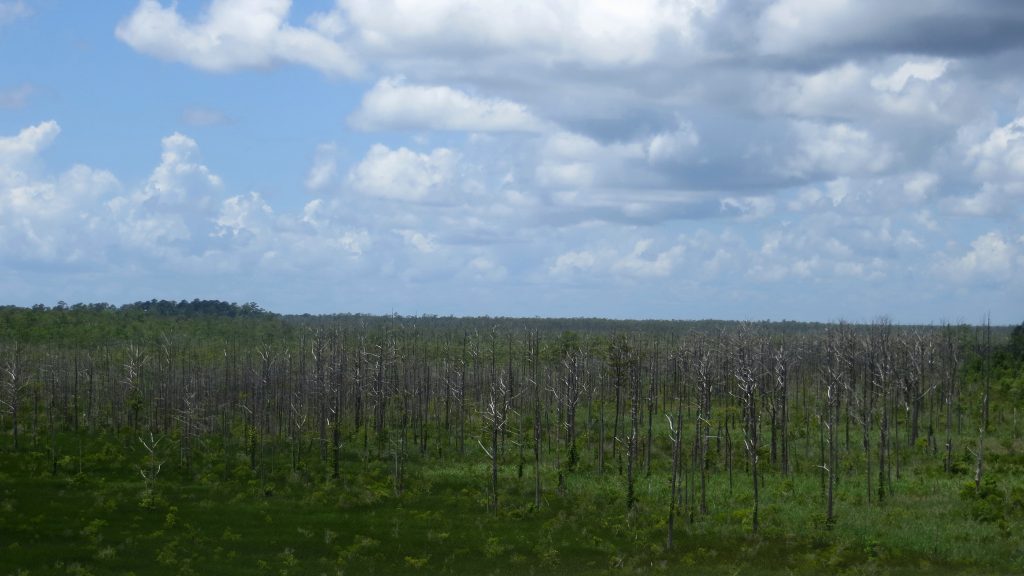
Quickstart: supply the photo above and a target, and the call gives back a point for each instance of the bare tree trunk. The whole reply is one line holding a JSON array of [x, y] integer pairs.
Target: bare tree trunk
[[634, 421], [979, 468]]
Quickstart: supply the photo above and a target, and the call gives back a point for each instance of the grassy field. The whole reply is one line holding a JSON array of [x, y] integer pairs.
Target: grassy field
[[97, 515]]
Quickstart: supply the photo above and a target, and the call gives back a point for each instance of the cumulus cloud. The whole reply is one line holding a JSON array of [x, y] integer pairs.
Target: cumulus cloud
[[179, 174], [636, 263], [639, 262], [48, 218], [595, 34], [571, 160], [749, 208], [1001, 155], [675, 145], [402, 174], [837, 149], [424, 243], [28, 141], [325, 166], [394, 104], [910, 88], [233, 34], [990, 256], [572, 261], [243, 213], [921, 70]]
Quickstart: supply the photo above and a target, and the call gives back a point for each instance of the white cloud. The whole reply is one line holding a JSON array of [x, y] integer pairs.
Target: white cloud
[[394, 104], [570, 160], [675, 145], [919, 185], [566, 174], [179, 175], [791, 26], [836, 91], [856, 90], [355, 242], [1001, 155], [233, 34], [325, 166], [52, 219], [403, 174], [635, 263], [424, 243], [838, 149], [28, 142], [175, 208], [990, 256], [594, 33], [44, 216], [922, 70], [639, 262], [748, 208], [243, 213], [986, 202], [573, 261]]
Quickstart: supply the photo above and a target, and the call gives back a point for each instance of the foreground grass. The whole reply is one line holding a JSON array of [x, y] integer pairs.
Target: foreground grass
[[97, 515]]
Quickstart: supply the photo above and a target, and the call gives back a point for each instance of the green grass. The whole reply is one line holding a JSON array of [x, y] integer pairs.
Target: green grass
[[225, 519]]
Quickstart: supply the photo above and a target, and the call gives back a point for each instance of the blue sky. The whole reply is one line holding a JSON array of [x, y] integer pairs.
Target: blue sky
[[783, 159]]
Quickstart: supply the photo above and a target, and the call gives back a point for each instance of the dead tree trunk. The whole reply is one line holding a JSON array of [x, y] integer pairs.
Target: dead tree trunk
[[986, 369]]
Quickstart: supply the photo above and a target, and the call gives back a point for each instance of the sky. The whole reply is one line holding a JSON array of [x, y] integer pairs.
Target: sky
[[763, 159]]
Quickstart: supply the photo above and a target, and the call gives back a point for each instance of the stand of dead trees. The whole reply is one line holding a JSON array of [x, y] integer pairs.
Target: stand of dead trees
[[689, 407]]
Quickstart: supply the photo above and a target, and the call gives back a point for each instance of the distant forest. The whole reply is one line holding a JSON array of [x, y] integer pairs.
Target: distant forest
[[102, 323]]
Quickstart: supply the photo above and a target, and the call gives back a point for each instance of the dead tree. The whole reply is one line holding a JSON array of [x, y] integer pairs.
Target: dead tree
[[633, 362], [702, 422], [986, 376], [780, 401], [533, 357], [881, 383], [495, 416], [573, 386], [675, 433], [834, 372], [14, 383], [746, 390], [952, 362]]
